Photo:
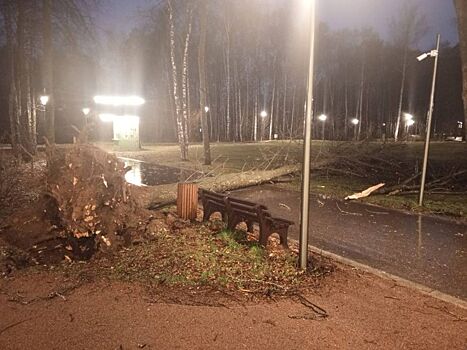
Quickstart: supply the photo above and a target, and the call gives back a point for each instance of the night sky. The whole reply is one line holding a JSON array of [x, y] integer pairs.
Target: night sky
[[122, 15]]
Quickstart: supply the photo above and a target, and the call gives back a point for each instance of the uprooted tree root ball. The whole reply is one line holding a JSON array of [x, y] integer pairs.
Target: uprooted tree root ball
[[69, 204], [89, 200]]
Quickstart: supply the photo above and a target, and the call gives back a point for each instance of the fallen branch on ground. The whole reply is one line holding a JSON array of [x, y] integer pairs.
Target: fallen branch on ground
[[365, 193]]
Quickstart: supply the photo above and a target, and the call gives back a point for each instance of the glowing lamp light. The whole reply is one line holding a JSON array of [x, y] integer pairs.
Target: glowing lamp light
[[44, 99], [119, 100], [408, 117], [355, 121], [206, 109], [410, 122], [263, 114], [86, 111], [323, 117]]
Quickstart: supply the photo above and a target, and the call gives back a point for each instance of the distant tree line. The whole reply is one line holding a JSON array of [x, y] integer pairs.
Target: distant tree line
[[35, 33], [256, 60], [208, 69]]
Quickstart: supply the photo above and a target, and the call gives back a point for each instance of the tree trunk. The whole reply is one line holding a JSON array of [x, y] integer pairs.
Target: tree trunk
[[293, 112], [401, 95], [461, 9], [271, 119], [255, 127], [202, 82], [185, 85], [284, 108], [227, 69], [178, 107], [8, 17], [47, 69]]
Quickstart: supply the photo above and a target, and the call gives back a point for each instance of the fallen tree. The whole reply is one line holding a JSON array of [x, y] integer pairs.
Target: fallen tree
[[166, 194]]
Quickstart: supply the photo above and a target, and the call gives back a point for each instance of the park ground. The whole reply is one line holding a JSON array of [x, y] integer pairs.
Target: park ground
[[339, 169], [193, 285]]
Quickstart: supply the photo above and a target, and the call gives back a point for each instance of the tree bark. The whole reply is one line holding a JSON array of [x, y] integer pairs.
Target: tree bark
[[202, 82], [47, 69], [461, 9], [227, 68], [401, 95], [185, 85], [178, 107], [8, 17]]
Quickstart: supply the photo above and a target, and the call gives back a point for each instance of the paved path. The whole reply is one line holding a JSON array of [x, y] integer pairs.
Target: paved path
[[430, 251]]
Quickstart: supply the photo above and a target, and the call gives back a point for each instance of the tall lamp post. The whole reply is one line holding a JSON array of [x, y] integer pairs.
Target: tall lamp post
[[355, 122], [322, 119], [44, 99], [86, 112], [435, 54], [305, 207], [263, 116]]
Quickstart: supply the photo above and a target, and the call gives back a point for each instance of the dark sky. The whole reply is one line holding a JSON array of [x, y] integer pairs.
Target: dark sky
[[122, 15]]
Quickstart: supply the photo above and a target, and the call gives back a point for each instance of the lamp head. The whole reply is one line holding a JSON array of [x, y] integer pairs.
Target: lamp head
[[44, 99], [422, 57]]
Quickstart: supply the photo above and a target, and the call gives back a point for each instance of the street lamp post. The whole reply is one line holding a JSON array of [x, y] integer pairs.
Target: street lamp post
[[86, 112], [44, 99], [322, 119], [355, 122], [409, 121], [305, 207], [263, 116], [435, 54]]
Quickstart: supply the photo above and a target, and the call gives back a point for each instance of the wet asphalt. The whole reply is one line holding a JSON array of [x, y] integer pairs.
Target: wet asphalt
[[427, 250]]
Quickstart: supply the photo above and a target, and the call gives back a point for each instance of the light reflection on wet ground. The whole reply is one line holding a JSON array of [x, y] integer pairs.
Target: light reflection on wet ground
[[427, 250], [148, 174]]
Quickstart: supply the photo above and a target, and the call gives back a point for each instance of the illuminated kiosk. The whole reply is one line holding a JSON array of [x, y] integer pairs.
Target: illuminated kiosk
[[125, 126], [125, 130]]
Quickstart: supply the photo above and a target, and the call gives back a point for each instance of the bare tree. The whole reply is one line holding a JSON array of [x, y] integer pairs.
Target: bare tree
[[181, 110], [202, 81], [461, 9], [407, 29]]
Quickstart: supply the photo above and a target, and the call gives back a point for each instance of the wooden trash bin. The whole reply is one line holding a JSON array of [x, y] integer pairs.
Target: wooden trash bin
[[187, 200]]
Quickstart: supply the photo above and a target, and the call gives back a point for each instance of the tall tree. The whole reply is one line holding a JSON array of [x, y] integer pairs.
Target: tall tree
[[47, 68], [202, 81], [461, 9], [407, 29]]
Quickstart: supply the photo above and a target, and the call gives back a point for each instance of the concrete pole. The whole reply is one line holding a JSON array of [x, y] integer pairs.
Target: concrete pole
[[428, 124], [304, 219]]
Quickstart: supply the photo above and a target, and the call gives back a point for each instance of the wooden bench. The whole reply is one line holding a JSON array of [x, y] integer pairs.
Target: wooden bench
[[235, 211]]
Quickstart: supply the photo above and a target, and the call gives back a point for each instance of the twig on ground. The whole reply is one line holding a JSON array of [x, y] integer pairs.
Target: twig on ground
[[445, 310], [14, 325], [312, 306], [347, 212]]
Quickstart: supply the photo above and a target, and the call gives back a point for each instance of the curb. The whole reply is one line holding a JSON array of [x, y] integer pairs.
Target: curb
[[388, 276]]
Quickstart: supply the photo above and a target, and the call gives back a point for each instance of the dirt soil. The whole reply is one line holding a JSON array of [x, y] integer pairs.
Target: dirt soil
[[47, 310]]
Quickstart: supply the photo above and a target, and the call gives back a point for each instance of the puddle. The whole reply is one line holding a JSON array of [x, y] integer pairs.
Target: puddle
[[147, 174]]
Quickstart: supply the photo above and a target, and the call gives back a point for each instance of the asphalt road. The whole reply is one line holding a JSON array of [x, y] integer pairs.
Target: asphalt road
[[426, 250]]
